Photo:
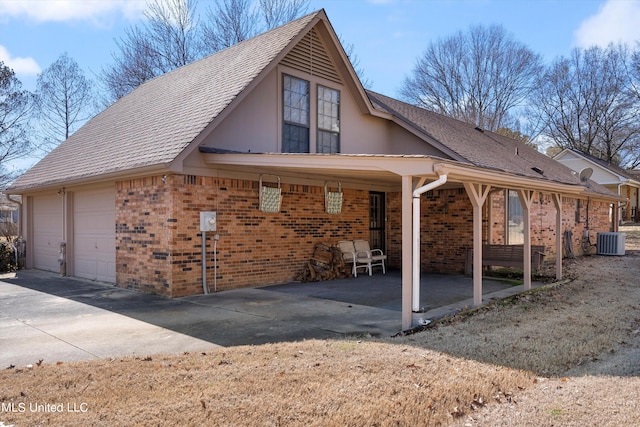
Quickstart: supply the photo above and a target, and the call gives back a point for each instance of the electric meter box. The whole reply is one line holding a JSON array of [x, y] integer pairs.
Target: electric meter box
[[208, 221]]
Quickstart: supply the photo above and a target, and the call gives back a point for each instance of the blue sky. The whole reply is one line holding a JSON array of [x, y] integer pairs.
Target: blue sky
[[388, 35]]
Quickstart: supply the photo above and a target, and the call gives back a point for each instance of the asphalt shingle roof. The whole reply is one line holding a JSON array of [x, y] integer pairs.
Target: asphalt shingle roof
[[480, 148], [153, 124]]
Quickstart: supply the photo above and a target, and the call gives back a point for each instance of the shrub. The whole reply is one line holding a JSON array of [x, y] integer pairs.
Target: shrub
[[7, 258]]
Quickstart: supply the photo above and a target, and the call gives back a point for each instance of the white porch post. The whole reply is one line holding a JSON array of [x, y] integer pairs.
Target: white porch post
[[477, 194], [557, 201], [526, 200], [407, 256]]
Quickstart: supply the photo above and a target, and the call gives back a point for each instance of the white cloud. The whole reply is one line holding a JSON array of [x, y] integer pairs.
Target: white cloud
[[616, 21], [24, 66], [71, 10]]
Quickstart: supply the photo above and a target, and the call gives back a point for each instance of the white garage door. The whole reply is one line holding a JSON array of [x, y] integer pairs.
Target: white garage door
[[94, 224], [47, 231]]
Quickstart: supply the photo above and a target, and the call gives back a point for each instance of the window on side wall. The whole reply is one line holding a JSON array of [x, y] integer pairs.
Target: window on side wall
[[515, 222], [295, 131], [328, 120]]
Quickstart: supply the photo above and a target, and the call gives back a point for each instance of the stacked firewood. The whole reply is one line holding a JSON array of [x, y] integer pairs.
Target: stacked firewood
[[326, 263]]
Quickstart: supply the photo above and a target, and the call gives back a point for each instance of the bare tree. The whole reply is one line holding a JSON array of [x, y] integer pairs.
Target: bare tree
[[169, 39], [15, 108], [349, 50], [229, 23], [232, 21], [635, 71], [172, 36], [585, 102], [278, 12], [172, 29], [65, 100], [135, 64], [477, 76]]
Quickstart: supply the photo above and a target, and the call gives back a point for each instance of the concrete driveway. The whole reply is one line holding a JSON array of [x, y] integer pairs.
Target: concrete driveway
[[47, 317]]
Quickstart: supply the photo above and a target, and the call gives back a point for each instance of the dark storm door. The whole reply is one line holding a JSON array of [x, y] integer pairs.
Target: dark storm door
[[377, 221]]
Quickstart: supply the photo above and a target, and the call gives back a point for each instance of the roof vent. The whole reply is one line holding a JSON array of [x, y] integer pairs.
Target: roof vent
[[479, 129], [538, 170]]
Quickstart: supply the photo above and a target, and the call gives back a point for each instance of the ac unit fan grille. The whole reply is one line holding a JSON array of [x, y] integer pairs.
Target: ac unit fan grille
[[611, 243]]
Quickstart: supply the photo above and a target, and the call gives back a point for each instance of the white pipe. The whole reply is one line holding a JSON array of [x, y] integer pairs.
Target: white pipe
[[205, 288], [416, 238], [215, 262]]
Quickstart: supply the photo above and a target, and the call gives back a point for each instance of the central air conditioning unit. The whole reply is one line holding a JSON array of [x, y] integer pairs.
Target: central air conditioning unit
[[611, 243]]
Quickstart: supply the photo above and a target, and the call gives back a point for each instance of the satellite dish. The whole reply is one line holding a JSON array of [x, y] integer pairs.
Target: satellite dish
[[585, 174]]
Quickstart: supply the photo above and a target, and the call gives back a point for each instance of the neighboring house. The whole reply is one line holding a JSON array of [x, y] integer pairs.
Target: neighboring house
[[9, 209], [620, 181], [285, 109]]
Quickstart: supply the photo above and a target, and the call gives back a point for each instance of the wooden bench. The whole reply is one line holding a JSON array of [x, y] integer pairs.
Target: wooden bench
[[506, 256]]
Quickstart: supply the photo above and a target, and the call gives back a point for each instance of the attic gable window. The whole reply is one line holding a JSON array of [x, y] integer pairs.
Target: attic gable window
[[295, 132], [328, 120]]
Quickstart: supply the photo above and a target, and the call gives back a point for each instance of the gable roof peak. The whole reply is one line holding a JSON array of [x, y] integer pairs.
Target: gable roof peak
[[152, 125]]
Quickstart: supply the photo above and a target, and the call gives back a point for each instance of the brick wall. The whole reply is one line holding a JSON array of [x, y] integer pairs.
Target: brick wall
[[446, 230], [543, 220], [447, 226], [393, 210], [598, 220], [159, 245], [143, 207]]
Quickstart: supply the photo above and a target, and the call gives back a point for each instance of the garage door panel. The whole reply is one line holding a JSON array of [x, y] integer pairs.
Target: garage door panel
[[94, 235], [47, 231]]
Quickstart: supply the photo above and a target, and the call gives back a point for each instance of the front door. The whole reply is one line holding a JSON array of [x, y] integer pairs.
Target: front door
[[377, 221]]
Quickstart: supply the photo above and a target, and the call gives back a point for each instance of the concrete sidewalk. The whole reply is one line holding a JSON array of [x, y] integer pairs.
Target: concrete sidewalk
[[45, 316]]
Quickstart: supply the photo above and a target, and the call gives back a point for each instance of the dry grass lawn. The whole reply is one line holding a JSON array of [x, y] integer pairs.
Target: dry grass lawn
[[566, 355]]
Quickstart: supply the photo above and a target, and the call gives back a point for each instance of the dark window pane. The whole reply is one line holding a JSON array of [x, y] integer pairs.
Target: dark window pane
[[328, 142], [295, 139]]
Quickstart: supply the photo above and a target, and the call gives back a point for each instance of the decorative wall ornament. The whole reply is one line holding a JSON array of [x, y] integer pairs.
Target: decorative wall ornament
[[270, 196], [332, 199]]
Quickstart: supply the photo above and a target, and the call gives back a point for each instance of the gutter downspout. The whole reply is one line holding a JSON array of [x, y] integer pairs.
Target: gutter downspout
[[416, 237], [618, 219]]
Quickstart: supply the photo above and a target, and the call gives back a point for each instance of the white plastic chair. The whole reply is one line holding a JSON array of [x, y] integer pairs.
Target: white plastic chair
[[376, 256], [357, 259]]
